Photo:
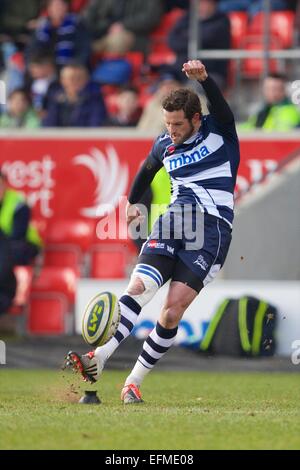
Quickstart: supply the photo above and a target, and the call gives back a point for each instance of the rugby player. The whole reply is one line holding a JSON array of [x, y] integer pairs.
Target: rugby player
[[201, 155]]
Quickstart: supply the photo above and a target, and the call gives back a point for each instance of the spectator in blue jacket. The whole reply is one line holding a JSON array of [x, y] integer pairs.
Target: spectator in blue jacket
[[79, 103], [215, 34], [62, 32]]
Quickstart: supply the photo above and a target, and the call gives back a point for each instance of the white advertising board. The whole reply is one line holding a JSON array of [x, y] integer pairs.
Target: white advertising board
[[284, 295]]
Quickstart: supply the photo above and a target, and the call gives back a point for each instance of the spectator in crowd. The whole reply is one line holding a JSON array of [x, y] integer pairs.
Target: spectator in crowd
[[215, 34], [15, 32], [120, 25], [251, 6], [79, 103], [64, 33], [129, 109], [7, 277], [152, 119], [19, 112], [277, 113], [15, 16], [42, 80], [24, 240]]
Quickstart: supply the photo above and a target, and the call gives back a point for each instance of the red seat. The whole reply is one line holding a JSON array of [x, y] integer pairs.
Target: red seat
[[67, 241], [66, 256], [253, 67], [41, 226], [24, 281], [58, 280], [136, 60], [48, 315], [159, 50], [108, 264], [119, 238], [161, 54], [72, 232], [78, 5], [52, 301], [167, 22], [239, 26], [281, 26]]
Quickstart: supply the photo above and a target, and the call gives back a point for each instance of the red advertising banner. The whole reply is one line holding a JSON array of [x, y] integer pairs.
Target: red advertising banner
[[73, 177]]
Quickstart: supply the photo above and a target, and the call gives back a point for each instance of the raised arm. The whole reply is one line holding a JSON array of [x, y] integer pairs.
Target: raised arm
[[218, 106]]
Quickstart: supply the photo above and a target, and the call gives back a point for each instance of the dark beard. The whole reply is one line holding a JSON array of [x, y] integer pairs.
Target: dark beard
[[188, 134]]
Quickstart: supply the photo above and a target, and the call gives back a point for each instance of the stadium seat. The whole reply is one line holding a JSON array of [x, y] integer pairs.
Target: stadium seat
[[48, 314], [54, 279], [160, 53], [108, 263], [136, 60], [252, 68], [41, 225], [76, 232], [24, 276], [120, 239], [167, 22], [281, 26], [239, 26], [52, 301], [67, 241], [66, 256]]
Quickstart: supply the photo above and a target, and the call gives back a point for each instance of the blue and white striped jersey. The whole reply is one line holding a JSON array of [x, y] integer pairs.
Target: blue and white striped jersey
[[203, 169]]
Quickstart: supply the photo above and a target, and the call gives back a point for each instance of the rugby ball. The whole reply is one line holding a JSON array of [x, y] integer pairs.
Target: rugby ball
[[101, 319]]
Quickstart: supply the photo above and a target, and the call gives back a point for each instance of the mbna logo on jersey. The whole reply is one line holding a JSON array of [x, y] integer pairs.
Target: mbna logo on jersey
[[188, 158]]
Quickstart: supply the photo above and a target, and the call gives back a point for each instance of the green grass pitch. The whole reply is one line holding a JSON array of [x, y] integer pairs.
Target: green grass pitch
[[192, 410]]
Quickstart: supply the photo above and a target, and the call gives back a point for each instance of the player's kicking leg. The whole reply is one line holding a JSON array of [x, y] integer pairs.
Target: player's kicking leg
[[148, 276], [181, 294]]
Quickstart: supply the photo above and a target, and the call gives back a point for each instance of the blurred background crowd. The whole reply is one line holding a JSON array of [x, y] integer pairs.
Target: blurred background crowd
[[91, 63]]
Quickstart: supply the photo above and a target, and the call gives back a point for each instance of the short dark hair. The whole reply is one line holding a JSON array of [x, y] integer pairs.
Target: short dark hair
[[277, 76], [184, 99], [22, 91], [42, 57]]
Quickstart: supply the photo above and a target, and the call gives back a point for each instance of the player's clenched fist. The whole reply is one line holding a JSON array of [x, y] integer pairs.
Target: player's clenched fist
[[195, 70]]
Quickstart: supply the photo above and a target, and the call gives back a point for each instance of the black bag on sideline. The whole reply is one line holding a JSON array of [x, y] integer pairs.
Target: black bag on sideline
[[241, 327]]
